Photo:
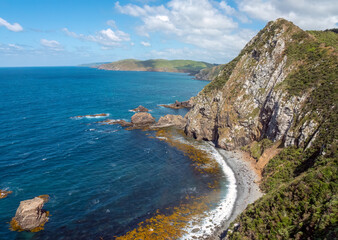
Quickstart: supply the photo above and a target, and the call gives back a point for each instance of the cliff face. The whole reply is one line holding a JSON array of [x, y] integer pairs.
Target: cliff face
[[209, 74], [283, 86], [250, 99]]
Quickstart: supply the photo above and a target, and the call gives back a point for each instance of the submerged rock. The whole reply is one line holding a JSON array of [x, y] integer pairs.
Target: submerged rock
[[4, 193], [140, 109], [142, 119], [171, 120], [30, 216], [123, 123]]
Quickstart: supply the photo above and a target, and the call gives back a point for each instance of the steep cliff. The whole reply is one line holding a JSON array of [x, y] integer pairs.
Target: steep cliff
[[269, 91], [210, 73], [283, 87]]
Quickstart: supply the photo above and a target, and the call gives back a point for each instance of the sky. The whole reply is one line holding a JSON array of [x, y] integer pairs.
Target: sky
[[68, 33]]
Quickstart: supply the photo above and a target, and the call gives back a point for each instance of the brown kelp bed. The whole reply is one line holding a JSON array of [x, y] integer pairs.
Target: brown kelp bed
[[170, 223]]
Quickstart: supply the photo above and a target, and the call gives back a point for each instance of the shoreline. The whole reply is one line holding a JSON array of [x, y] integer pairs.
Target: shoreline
[[246, 185], [242, 189]]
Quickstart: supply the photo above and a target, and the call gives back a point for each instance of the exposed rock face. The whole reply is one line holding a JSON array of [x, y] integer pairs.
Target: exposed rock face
[[30, 216], [171, 120], [209, 74], [247, 101], [142, 119], [140, 109]]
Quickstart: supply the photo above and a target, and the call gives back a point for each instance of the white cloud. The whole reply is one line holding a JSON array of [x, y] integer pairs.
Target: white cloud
[[146, 44], [51, 44], [15, 27], [106, 37], [307, 14], [202, 23]]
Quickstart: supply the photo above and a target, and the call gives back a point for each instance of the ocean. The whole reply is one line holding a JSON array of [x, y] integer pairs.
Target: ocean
[[102, 180]]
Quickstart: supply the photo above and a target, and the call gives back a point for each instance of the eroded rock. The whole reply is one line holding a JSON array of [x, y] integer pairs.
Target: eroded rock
[[171, 120], [140, 109], [142, 119], [30, 216]]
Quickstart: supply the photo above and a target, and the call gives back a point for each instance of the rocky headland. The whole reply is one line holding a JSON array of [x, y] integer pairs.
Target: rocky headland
[[156, 65], [277, 101]]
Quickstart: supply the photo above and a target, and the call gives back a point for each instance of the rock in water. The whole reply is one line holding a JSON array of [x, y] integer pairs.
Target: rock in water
[[30, 216], [142, 119], [4, 193], [171, 120], [140, 109]]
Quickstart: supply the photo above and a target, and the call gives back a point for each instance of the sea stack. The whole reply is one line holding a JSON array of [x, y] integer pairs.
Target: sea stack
[[30, 216]]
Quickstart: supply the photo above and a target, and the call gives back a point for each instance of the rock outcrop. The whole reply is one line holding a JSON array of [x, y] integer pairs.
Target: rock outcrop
[[179, 105], [4, 193], [171, 120], [30, 216], [251, 99], [140, 109], [142, 119]]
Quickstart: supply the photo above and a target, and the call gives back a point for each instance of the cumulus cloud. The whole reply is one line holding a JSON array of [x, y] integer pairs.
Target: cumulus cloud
[[146, 44], [106, 37], [15, 27], [202, 23], [308, 14]]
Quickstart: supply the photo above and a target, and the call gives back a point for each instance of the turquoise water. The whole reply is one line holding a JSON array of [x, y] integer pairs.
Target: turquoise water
[[102, 179]]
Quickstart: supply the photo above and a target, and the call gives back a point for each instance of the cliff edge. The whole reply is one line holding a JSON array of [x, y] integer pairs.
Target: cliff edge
[[280, 91]]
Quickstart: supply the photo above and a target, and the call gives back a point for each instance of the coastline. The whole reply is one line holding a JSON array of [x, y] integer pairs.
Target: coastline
[[243, 189], [247, 185]]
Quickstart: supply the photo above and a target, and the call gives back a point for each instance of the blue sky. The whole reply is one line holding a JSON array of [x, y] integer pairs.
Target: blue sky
[[63, 32]]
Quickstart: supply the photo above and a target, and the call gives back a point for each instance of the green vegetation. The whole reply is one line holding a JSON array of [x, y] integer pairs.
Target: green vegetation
[[256, 149], [220, 81], [301, 200], [303, 208], [157, 65]]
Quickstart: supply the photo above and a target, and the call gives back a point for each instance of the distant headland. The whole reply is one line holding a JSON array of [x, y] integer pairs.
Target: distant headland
[[157, 65]]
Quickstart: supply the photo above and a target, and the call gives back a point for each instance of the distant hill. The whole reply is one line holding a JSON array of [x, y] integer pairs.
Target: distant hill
[[157, 65]]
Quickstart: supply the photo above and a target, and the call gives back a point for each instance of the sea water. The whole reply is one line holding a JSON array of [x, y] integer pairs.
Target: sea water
[[102, 180]]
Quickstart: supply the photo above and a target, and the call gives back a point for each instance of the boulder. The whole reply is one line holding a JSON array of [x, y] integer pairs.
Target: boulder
[[171, 120], [30, 216], [140, 109], [142, 119]]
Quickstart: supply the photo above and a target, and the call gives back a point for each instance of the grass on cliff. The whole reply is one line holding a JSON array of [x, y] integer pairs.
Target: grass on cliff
[[301, 185]]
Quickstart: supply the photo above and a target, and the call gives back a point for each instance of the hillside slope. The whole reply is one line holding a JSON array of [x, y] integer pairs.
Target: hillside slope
[[283, 87], [157, 65]]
